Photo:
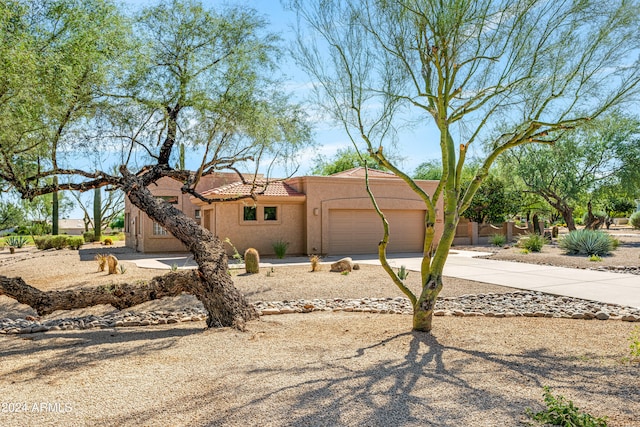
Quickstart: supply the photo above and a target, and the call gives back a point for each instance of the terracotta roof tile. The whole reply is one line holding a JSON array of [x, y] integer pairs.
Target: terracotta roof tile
[[359, 172], [277, 188]]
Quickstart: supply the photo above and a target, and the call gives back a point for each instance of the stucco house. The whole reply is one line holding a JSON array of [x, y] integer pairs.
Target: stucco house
[[314, 214]]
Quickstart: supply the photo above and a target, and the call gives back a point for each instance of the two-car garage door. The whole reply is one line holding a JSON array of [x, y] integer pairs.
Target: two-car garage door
[[358, 231]]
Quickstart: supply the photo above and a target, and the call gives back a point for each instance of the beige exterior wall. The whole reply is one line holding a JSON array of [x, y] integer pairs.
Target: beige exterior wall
[[303, 221], [226, 220], [325, 193]]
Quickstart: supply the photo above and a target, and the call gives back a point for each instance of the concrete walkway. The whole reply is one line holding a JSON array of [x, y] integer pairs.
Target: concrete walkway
[[614, 288]]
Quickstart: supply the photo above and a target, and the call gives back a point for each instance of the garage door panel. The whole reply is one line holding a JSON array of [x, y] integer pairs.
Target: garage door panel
[[354, 231]]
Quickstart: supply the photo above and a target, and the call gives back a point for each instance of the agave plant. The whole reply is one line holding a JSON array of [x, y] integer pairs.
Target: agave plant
[[16, 241], [587, 242]]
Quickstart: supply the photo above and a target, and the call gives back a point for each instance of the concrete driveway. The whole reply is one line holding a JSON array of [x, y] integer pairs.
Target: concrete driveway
[[614, 288]]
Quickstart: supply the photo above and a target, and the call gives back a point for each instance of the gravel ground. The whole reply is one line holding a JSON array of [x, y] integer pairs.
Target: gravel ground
[[318, 369]]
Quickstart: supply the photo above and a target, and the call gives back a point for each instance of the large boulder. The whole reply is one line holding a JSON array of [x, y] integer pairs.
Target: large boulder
[[344, 264]]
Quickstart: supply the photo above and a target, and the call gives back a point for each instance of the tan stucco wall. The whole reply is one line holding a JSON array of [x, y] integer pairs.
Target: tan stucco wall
[[303, 221], [227, 221], [325, 193]]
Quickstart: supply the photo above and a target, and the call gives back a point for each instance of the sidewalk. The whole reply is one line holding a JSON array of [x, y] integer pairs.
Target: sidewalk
[[614, 288]]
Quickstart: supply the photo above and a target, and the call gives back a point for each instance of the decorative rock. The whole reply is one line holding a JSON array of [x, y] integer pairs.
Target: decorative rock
[[515, 304], [344, 264]]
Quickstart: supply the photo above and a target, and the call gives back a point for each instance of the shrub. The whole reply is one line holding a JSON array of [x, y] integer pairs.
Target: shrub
[[280, 248], [58, 242], [89, 236], [252, 261], [16, 241], [75, 242], [532, 242], [587, 242], [596, 214], [42, 242], [108, 241], [315, 262], [562, 412], [498, 239], [634, 220], [101, 260]]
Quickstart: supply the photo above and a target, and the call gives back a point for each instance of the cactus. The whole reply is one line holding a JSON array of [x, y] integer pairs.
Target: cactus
[[403, 273], [251, 261]]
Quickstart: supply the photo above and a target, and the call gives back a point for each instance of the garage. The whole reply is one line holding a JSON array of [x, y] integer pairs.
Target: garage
[[358, 231]]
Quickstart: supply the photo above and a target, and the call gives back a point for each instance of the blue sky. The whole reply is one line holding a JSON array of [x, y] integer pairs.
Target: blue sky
[[328, 137]]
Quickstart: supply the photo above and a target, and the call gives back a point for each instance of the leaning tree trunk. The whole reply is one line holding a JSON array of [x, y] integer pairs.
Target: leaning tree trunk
[[225, 305], [211, 283], [120, 296]]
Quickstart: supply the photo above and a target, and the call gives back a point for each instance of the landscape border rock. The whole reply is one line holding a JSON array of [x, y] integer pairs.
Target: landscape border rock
[[515, 304]]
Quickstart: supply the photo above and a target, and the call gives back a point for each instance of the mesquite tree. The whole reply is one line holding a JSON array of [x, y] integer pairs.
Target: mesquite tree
[[492, 74], [601, 155], [94, 85]]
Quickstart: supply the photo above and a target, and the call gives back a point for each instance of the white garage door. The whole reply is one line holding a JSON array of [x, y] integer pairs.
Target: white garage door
[[356, 231]]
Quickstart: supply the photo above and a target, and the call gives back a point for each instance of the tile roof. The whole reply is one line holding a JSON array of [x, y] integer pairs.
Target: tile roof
[[359, 172], [260, 188]]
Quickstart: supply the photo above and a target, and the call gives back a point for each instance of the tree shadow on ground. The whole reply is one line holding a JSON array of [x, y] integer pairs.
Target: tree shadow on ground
[[432, 384], [78, 349]]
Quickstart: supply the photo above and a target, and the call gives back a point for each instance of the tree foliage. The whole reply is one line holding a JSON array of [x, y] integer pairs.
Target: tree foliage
[[344, 159], [505, 74], [596, 161], [494, 202], [86, 84], [11, 215]]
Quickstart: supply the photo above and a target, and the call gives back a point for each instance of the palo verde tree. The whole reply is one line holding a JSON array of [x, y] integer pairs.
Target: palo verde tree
[[492, 74], [190, 76]]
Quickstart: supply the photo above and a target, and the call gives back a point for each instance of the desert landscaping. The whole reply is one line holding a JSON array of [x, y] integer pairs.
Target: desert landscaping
[[325, 367]]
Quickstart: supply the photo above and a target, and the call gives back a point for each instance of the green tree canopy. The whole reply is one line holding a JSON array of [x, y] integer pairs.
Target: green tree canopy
[[344, 159], [506, 74], [84, 85], [600, 157]]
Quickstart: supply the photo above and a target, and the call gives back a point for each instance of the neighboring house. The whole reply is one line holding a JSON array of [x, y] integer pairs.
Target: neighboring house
[[75, 227], [314, 214], [72, 227]]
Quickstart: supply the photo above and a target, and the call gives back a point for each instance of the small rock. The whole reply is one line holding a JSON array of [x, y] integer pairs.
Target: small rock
[[601, 315]]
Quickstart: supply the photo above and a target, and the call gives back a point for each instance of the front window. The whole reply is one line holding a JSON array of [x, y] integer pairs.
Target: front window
[[158, 230], [250, 213], [270, 213]]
